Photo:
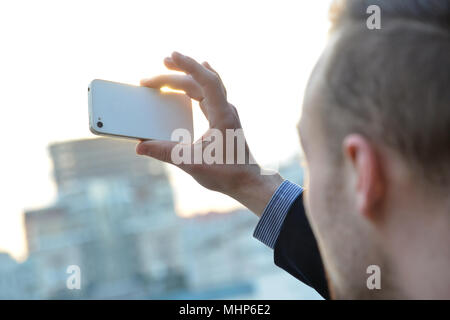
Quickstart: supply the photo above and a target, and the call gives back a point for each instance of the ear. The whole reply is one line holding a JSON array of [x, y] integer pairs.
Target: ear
[[362, 156]]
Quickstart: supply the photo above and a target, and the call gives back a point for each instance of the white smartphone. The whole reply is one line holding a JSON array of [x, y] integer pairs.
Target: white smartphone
[[122, 110]]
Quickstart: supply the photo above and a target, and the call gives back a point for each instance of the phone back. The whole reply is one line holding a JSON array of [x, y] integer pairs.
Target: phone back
[[137, 112]]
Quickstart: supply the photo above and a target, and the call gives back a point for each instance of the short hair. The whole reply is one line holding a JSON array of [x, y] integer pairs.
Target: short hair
[[393, 84]]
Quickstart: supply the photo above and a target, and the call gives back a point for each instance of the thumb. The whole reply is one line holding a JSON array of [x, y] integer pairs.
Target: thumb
[[161, 150]]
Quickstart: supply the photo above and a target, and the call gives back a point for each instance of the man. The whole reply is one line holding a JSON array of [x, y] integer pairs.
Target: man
[[375, 130]]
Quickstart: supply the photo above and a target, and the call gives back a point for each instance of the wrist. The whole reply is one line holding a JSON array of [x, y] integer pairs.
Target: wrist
[[255, 190]]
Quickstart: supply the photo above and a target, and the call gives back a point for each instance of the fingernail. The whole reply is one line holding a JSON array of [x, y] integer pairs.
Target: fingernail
[[141, 150]]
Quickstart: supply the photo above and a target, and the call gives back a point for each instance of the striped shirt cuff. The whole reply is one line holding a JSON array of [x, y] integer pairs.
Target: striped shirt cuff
[[272, 218]]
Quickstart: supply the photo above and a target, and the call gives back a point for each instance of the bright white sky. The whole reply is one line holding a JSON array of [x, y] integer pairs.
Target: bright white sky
[[51, 50]]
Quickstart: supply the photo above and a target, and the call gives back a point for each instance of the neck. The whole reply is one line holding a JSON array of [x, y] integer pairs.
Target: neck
[[418, 253]]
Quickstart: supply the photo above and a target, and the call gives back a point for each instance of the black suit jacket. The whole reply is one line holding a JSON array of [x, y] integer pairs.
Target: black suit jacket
[[296, 250]]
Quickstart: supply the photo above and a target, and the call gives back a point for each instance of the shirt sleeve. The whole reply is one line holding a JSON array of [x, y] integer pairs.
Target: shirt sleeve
[[268, 228]]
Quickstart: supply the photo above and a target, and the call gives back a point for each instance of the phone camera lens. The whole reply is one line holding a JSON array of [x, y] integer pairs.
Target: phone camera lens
[[99, 124]]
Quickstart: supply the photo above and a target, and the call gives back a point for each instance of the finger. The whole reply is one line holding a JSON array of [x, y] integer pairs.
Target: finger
[[161, 150], [168, 62], [188, 65], [215, 103], [177, 82], [208, 66]]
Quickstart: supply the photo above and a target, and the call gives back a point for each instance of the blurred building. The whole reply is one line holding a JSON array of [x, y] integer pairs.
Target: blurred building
[[114, 218], [220, 250], [16, 279]]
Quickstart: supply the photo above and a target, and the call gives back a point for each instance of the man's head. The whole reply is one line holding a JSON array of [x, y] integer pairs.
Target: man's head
[[376, 134]]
